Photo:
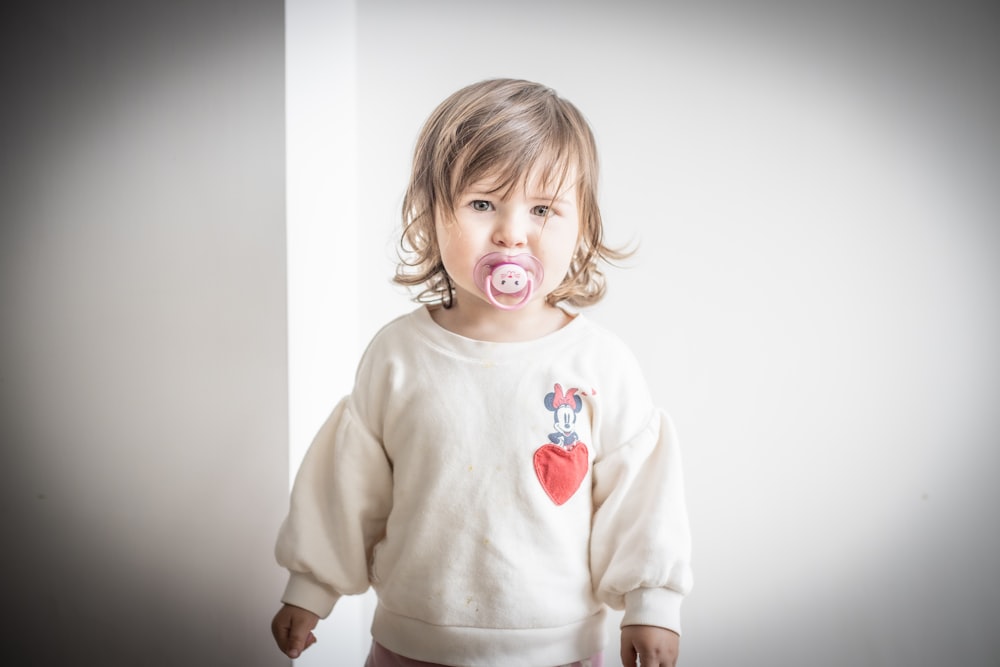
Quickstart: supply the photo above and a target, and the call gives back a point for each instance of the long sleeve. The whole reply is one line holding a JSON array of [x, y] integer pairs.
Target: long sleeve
[[641, 543], [339, 504]]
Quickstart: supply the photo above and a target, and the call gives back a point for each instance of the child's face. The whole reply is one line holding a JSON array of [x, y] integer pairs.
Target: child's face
[[485, 223]]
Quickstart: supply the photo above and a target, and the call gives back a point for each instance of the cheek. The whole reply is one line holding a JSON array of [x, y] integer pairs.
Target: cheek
[[564, 249], [449, 242]]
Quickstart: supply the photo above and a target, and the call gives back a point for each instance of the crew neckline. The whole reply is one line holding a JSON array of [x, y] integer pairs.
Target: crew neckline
[[458, 345]]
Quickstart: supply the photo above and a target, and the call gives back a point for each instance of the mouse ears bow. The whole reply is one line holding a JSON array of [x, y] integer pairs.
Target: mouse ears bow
[[557, 399]]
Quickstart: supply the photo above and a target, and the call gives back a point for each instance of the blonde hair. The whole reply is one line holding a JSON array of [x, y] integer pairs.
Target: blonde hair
[[510, 129]]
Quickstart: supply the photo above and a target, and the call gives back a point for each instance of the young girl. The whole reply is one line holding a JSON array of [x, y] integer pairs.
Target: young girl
[[499, 474]]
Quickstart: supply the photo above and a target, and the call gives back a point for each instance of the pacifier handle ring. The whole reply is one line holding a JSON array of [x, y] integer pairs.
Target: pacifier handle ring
[[488, 288]]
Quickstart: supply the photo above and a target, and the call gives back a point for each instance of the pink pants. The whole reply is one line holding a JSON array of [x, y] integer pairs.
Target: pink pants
[[380, 656]]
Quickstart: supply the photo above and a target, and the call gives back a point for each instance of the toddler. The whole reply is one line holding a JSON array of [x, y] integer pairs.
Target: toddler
[[499, 473]]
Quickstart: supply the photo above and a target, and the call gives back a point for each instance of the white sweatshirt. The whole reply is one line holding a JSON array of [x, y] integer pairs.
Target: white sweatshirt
[[496, 495]]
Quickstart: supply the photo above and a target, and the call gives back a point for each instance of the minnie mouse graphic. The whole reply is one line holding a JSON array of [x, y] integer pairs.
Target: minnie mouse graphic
[[562, 465], [564, 407]]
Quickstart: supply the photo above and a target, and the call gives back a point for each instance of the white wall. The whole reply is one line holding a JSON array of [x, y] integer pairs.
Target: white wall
[[815, 295], [323, 276], [143, 373]]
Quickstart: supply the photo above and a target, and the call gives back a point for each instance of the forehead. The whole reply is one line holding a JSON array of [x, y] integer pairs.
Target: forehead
[[541, 178]]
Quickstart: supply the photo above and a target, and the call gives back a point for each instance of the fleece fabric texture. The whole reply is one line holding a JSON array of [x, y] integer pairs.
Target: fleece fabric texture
[[497, 496]]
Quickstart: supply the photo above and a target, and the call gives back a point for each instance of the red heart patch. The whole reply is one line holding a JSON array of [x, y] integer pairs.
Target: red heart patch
[[561, 470]]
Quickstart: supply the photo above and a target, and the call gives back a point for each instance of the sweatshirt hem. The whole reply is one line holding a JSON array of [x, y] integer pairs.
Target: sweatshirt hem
[[489, 647]]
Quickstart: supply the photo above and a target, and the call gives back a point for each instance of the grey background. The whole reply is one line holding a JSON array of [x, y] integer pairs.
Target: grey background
[[143, 464]]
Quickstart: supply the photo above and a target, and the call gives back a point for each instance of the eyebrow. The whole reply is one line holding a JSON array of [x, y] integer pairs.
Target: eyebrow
[[488, 190], [562, 201]]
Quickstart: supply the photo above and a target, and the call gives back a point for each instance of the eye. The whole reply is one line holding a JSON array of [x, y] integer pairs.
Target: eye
[[540, 210], [481, 205]]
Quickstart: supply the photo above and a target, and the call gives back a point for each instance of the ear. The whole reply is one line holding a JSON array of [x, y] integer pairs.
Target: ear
[[549, 398], [578, 402]]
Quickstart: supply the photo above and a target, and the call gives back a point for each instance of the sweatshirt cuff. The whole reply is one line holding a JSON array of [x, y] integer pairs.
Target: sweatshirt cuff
[[304, 591], [653, 606]]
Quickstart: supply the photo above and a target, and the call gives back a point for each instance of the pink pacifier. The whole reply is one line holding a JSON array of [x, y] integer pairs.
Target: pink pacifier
[[510, 275]]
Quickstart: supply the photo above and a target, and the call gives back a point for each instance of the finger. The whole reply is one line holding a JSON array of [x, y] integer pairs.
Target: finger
[[654, 659], [628, 656], [280, 628], [298, 641]]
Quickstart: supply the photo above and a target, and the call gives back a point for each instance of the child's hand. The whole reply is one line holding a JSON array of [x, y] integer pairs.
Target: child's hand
[[655, 647], [292, 629]]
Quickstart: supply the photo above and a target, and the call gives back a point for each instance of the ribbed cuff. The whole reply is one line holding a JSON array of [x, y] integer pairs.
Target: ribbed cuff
[[653, 606], [304, 591]]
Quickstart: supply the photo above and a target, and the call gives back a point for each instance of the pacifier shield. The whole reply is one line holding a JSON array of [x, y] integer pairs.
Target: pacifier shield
[[510, 275]]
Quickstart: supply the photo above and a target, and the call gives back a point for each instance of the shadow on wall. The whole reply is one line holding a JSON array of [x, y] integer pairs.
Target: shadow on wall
[[143, 466]]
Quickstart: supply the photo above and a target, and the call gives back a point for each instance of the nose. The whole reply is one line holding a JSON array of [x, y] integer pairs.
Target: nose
[[511, 230]]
